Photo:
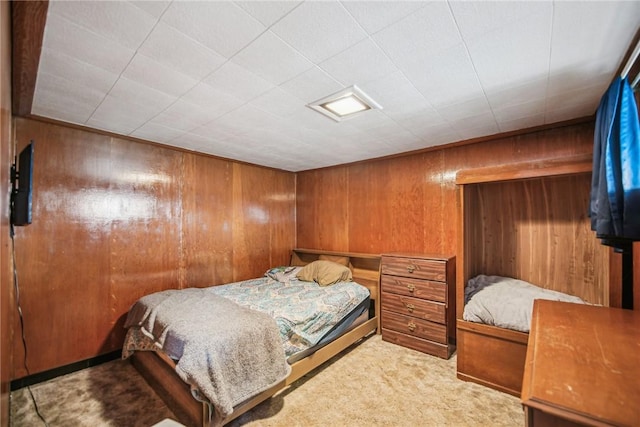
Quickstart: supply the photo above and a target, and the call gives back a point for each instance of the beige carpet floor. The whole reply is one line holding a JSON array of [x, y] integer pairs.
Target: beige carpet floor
[[374, 383]]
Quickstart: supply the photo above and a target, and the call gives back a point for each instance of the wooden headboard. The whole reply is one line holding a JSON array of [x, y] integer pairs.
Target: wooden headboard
[[364, 267]]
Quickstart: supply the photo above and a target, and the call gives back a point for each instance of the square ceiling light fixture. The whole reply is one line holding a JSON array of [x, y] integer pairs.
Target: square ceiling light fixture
[[347, 103]]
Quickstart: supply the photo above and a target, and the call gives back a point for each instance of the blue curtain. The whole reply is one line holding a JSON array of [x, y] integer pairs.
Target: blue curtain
[[615, 184]]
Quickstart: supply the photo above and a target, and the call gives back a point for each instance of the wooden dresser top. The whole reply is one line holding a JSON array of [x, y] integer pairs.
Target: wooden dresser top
[[583, 363]]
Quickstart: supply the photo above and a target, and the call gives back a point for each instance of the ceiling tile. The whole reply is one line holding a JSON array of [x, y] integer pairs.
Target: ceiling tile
[[174, 49], [442, 71], [463, 110], [238, 118], [234, 80], [397, 95], [588, 96], [81, 73], [185, 116], [272, 59], [376, 15], [361, 63], [446, 78], [519, 111], [211, 131], [138, 94], [477, 18], [567, 113], [584, 32], [478, 131], [222, 26], [278, 102], [513, 54], [312, 85], [418, 37], [114, 114], [121, 128], [480, 121], [419, 120], [67, 95], [268, 12], [149, 72], [59, 109], [319, 30], [212, 100], [61, 35], [522, 123], [153, 131], [154, 8], [514, 93], [119, 21]]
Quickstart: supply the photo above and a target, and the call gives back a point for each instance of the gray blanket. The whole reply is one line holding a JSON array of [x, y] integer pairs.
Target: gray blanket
[[229, 353]]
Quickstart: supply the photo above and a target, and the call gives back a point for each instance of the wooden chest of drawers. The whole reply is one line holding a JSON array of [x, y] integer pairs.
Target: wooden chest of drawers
[[418, 302]]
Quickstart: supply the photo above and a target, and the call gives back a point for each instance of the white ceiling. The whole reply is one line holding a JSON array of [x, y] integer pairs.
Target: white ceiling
[[232, 78]]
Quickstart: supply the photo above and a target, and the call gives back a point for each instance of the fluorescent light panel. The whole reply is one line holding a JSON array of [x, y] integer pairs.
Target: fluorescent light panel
[[345, 104]]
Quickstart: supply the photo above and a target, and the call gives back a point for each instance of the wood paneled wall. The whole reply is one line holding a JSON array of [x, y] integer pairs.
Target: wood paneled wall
[[409, 203], [114, 220], [6, 280]]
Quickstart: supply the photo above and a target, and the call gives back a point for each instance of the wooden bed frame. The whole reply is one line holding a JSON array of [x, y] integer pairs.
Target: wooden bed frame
[[158, 370], [526, 221]]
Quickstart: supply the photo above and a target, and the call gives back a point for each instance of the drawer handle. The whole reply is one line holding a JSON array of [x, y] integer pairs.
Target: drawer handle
[[411, 326], [410, 268], [410, 308], [411, 287]]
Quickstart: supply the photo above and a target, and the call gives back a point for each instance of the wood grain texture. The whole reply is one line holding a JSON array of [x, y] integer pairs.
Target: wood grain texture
[[114, 220], [491, 356], [409, 203], [144, 237], [322, 199], [62, 258], [563, 348], [6, 156], [537, 230], [29, 18], [206, 221]]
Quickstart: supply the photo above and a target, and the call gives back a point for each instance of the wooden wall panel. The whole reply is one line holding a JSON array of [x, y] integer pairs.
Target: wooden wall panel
[[6, 279], [142, 207], [409, 203], [206, 221], [257, 218], [538, 230], [114, 220], [62, 257], [322, 199]]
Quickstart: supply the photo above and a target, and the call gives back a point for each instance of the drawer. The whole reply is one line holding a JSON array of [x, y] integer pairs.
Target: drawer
[[415, 268], [425, 346], [415, 327], [436, 291], [415, 307]]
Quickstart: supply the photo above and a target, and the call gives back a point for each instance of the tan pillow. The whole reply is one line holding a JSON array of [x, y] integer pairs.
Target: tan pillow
[[325, 273], [342, 260]]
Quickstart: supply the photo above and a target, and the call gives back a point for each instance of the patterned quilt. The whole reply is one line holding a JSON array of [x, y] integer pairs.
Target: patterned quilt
[[304, 311]]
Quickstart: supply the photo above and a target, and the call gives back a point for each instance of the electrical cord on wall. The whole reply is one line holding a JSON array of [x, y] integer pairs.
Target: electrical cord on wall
[[24, 340]]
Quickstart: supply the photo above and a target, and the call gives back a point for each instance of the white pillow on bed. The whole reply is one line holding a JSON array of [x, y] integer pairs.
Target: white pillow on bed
[[506, 302]]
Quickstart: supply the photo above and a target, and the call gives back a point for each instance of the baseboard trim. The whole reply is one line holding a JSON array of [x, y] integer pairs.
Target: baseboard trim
[[63, 370]]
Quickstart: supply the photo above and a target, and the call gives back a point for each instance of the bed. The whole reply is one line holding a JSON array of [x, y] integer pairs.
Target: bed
[[524, 221], [301, 350]]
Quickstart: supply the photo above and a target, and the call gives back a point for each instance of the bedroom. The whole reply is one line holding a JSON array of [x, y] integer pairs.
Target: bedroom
[[116, 218]]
